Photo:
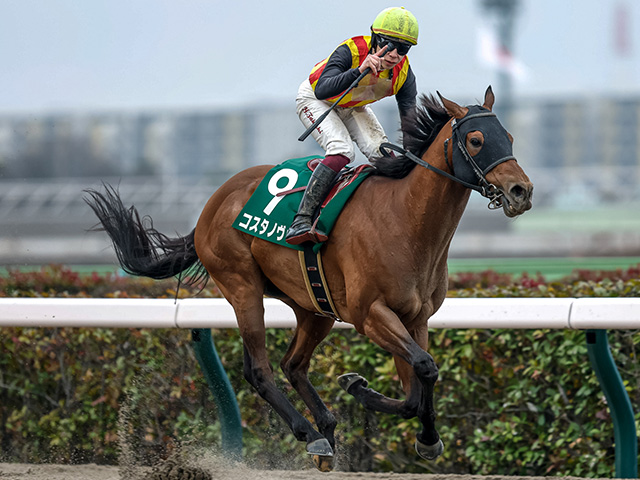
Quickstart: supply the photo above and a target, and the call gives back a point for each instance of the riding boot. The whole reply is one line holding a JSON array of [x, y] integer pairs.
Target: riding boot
[[319, 186]]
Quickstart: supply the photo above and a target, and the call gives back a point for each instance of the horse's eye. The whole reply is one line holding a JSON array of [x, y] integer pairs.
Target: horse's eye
[[475, 142]]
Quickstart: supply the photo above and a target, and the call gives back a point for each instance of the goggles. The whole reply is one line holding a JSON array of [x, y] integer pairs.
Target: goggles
[[394, 44]]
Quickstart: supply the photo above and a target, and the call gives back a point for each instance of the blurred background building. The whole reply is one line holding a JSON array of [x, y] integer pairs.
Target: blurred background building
[[582, 154], [582, 151]]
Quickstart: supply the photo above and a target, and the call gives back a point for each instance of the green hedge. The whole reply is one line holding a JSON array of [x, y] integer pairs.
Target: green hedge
[[508, 402]]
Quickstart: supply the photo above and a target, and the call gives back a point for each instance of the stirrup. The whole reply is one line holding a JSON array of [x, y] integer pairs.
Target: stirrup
[[302, 238], [299, 230], [306, 235]]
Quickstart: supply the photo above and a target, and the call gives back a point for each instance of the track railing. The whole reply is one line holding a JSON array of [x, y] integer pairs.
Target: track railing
[[594, 315]]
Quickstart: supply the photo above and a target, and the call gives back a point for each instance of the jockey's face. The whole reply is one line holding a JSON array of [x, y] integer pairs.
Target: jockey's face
[[395, 52], [390, 58]]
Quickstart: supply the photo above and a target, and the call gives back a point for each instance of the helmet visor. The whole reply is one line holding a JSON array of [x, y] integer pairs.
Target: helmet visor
[[394, 44]]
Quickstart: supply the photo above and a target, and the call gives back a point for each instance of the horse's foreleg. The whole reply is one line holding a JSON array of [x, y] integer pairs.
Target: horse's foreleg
[[356, 385], [384, 328], [295, 365], [428, 443]]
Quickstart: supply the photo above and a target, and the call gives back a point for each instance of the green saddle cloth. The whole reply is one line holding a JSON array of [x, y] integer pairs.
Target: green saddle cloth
[[268, 215]]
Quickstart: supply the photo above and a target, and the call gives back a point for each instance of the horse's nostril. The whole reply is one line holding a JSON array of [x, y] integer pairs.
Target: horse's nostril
[[517, 191]]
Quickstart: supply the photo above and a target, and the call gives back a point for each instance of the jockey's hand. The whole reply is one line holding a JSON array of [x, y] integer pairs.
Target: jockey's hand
[[373, 61]]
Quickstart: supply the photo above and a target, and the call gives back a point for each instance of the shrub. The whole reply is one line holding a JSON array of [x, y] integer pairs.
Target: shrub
[[509, 402]]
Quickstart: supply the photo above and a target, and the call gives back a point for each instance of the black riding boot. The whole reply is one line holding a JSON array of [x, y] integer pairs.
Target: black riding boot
[[319, 186]]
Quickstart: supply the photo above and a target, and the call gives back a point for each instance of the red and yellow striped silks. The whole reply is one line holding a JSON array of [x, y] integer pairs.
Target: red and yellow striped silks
[[372, 87]]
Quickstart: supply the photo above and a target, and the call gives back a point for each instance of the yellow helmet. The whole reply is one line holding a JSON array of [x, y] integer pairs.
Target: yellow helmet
[[397, 22]]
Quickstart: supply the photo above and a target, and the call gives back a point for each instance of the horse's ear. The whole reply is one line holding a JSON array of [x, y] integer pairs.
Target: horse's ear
[[453, 109], [489, 98]]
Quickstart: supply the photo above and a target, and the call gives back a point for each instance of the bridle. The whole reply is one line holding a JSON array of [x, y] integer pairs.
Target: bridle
[[483, 186]]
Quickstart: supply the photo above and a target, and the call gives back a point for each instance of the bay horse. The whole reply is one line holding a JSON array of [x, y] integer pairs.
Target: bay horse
[[385, 262]]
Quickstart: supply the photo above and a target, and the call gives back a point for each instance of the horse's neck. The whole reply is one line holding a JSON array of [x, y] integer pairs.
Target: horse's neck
[[436, 203]]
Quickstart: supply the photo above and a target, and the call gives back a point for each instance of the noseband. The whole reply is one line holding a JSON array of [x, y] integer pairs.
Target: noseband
[[483, 186]]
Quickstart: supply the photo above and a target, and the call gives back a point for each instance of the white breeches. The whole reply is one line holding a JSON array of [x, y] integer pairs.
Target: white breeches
[[342, 127]]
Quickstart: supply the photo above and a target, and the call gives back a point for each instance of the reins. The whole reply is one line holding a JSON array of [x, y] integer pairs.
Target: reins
[[484, 187]]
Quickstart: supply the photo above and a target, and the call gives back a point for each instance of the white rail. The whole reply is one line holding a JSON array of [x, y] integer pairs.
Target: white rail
[[514, 313]]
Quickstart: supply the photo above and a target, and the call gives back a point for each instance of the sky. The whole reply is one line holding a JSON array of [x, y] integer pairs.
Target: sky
[[62, 55]]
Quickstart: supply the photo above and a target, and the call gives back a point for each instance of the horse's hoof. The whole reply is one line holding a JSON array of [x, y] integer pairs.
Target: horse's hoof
[[347, 380], [429, 452], [320, 447], [323, 463]]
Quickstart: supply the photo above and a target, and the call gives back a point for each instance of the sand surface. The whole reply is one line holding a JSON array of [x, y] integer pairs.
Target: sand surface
[[18, 471]]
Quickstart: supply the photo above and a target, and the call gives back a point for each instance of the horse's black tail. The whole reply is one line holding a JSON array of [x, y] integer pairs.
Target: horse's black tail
[[140, 248]]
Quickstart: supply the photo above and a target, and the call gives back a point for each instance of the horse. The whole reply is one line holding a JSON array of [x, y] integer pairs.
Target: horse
[[385, 261]]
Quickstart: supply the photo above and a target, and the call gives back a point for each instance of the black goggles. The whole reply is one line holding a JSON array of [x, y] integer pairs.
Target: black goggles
[[394, 44]]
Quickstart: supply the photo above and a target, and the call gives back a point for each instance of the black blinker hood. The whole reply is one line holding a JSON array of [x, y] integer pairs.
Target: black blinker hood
[[497, 147]]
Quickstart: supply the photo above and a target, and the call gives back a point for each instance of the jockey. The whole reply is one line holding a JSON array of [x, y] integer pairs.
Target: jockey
[[393, 32]]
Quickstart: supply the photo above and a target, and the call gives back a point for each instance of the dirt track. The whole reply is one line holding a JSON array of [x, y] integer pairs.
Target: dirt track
[[10, 471]]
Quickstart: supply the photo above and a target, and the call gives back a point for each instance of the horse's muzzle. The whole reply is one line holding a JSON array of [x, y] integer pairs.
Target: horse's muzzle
[[517, 198]]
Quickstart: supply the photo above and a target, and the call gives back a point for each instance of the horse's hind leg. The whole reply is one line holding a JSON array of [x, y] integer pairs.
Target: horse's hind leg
[[311, 330], [227, 255], [258, 372]]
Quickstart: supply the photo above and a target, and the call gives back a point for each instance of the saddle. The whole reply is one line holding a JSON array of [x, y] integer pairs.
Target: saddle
[[271, 208], [344, 179]]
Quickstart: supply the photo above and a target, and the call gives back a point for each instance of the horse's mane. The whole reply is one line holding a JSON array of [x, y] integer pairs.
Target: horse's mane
[[419, 130]]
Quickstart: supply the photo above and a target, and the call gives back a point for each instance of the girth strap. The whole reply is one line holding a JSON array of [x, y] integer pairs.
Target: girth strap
[[311, 264]]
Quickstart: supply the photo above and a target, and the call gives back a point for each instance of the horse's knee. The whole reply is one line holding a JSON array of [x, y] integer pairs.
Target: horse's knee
[[426, 368], [408, 410]]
